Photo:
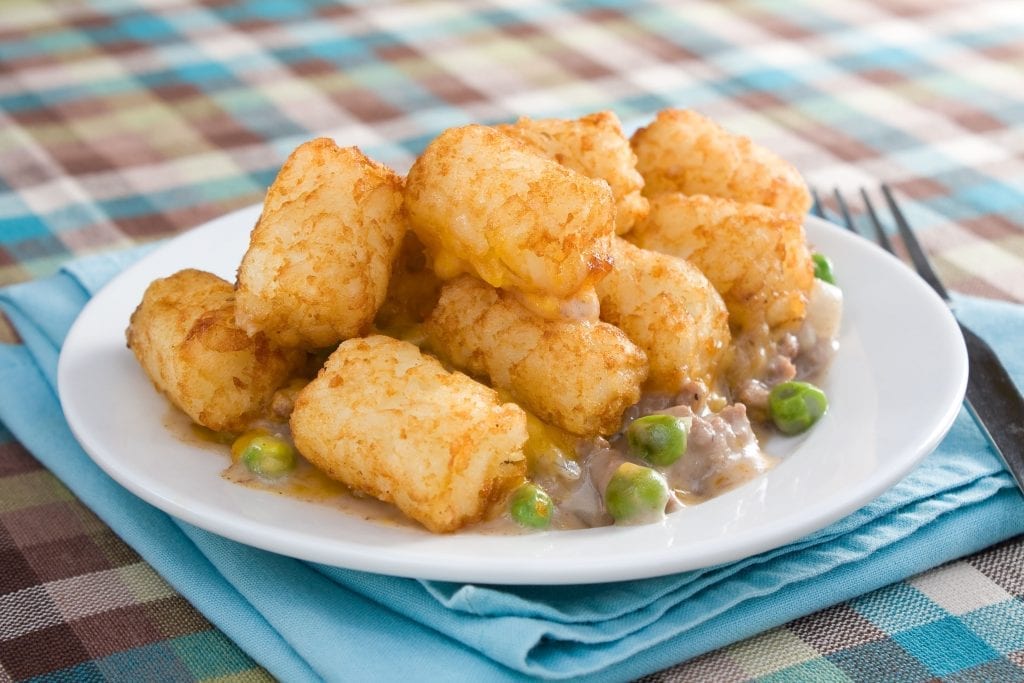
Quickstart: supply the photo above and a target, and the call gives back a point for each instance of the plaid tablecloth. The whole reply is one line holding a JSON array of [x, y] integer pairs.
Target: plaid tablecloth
[[123, 122]]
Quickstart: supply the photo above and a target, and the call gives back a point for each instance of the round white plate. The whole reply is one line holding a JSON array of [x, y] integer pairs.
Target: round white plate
[[894, 388]]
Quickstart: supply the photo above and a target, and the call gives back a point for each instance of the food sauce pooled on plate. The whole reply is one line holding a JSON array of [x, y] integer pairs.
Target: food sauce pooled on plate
[[304, 482]]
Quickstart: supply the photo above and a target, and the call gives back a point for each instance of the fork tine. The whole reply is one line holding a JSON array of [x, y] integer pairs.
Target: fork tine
[[883, 239], [845, 211], [817, 208], [914, 249]]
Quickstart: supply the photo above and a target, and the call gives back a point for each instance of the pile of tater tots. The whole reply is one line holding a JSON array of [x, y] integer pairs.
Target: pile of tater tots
[[526, 288]]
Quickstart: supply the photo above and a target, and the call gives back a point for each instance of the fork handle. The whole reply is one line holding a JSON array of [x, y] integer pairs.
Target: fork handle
[[993, 399]]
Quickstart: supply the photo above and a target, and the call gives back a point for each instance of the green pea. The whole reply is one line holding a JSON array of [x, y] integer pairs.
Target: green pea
[[268, 456], [531, 507], [658, 439], [636, 494], [823, 268], [795, 406]]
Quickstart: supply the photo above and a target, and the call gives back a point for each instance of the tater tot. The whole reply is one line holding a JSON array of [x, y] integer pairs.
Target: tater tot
[[185, 337], [483, 203], [412, 290], [683, 151], [320, 256], [755, 257], [668, 308], [595, 146], [386, 420], [575, 374]]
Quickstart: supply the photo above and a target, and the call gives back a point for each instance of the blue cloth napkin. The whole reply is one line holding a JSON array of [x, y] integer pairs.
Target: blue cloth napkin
[[322, 622]]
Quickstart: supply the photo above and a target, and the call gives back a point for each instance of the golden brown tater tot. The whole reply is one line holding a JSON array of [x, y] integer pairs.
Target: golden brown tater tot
[[483, 203], [412, 291], [185, 337], [320, 256], [755, 257], [670, 310], [595, 146], [389, 421], [683, 151], [576, 374]]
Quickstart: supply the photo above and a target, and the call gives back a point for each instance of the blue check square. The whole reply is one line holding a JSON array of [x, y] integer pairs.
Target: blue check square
[[946, 646]]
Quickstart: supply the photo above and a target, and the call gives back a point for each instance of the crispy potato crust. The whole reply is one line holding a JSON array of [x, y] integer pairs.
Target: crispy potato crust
[[320, 256], [389, 421], [576, 374], [683, 151], [669, 309], [595, 146], [755, 257], [412, 291], [185, 337], [483, 203]]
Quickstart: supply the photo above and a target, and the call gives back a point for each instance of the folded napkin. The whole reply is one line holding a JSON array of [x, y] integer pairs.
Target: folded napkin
[[304, 621]]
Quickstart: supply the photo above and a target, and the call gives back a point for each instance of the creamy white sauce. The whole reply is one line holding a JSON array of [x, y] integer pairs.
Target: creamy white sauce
[[818, 337]]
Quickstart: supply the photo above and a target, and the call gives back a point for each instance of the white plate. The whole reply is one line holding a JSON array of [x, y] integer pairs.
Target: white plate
[[894, 390]]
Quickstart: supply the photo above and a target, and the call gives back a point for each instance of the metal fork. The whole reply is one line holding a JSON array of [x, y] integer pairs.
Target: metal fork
[[992, 399]]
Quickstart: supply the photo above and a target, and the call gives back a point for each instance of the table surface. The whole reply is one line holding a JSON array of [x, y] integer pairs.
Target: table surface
[[125, 122]]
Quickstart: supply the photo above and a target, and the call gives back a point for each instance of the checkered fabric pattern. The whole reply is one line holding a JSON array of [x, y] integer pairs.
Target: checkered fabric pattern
[[126, 121], [77, 604], [960, 622]]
